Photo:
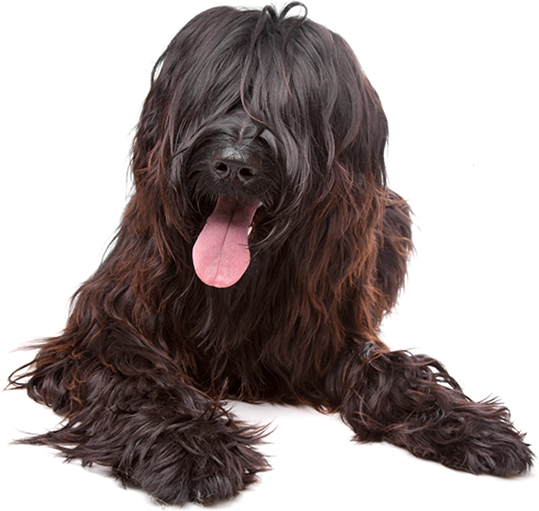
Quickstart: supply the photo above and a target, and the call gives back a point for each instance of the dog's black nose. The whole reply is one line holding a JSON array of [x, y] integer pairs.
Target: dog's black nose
[[235, 165]]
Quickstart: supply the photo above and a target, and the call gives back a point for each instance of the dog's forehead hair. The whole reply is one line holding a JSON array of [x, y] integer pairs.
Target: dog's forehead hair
[[245, 132]]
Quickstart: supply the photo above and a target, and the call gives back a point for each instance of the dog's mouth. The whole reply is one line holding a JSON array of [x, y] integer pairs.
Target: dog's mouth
[[221, 252]]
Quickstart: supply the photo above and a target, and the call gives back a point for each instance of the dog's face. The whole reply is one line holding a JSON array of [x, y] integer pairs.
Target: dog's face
[[260, 132], [235, 178]]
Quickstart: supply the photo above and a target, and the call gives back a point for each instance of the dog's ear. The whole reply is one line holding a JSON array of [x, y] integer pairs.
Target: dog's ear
[[305, 83], [358, 125]]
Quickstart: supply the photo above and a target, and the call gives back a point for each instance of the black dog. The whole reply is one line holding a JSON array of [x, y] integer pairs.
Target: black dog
[[255, 261]]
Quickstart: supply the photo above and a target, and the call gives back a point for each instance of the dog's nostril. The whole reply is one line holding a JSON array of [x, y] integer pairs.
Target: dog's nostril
[[221, 168], [247, 173]]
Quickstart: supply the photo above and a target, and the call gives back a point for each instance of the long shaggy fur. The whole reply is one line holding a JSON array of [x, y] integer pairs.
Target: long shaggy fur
[[150, 352]]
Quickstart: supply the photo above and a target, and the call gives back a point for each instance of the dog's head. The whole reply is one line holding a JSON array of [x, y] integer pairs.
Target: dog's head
[[260, 129]]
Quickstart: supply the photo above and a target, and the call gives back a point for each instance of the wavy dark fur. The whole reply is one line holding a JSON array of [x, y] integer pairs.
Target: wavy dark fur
[[149, 352]]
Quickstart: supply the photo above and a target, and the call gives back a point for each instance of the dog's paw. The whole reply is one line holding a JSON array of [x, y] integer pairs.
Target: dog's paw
[[490, 447], [201, 461], [222, 479], [225, 468], [478, 438]]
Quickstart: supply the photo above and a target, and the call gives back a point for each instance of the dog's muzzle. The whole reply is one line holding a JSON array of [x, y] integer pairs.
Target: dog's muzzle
[[221, 252]]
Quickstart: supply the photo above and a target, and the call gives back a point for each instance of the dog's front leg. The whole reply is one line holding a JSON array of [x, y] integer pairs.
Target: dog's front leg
[[411, 401], [155, 433]]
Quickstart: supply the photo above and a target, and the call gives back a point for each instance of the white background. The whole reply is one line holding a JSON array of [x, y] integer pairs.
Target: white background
[[458, 81]]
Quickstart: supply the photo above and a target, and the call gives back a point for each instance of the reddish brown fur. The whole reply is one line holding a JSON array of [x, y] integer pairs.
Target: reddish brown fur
[[149, 352]]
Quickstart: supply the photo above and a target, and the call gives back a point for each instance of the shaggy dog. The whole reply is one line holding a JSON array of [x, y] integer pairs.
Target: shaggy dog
[[255, 261]]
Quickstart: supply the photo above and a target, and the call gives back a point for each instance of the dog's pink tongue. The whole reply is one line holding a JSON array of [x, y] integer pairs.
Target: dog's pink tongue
[[221, 252]]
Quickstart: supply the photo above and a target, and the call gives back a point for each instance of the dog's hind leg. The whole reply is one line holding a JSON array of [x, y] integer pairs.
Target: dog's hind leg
[[412, 402], [394, 251]]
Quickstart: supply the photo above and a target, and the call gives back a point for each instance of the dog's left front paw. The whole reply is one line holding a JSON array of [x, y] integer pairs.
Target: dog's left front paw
[[490, 447], [477, 438]]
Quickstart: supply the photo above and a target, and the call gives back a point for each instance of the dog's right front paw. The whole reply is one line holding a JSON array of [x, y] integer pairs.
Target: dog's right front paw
[[223, 470], [203, 461]]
